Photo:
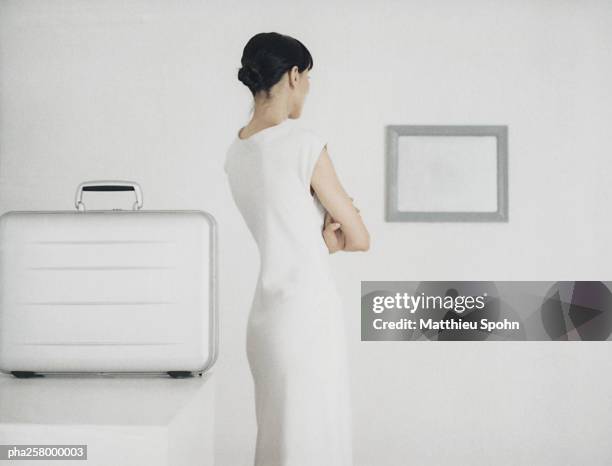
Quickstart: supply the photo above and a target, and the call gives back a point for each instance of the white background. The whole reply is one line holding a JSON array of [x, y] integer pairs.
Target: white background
[[147, 90], [447, 173]]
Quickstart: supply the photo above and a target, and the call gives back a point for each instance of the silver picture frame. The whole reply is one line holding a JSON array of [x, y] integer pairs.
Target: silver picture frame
[[392, 208]]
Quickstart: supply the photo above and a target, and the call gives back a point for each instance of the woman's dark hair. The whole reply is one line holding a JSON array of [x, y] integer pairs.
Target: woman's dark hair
[[267, 56]]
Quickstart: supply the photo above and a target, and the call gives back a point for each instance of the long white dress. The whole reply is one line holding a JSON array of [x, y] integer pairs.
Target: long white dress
[[295, 338]]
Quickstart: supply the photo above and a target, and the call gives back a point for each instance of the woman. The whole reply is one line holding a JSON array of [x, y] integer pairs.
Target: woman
[[285, 186]]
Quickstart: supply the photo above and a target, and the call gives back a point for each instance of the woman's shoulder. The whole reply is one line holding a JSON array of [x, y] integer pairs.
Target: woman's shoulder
[[306, 134]]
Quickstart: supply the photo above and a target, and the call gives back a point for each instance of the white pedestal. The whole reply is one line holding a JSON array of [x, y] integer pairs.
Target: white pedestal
[[150, 421]]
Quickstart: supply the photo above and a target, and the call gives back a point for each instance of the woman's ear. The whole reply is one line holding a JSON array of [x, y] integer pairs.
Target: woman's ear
[[294, 75]]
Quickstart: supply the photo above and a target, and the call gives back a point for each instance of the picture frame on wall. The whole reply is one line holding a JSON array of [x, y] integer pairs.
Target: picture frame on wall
[[446, 173]]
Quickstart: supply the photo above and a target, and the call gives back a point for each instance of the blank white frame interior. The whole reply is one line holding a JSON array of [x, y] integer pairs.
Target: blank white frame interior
[[447, 173]]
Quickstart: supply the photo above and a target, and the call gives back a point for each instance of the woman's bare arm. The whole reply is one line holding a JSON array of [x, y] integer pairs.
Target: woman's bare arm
[[337, 202], [332, 235]]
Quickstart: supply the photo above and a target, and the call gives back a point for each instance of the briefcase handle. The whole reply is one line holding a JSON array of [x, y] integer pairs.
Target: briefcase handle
[[108, 185]]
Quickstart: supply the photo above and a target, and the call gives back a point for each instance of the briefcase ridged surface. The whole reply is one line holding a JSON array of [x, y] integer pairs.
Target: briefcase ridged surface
[[108, 291]]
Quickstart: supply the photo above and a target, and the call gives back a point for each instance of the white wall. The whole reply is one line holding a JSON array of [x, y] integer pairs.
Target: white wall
[[147, 90]]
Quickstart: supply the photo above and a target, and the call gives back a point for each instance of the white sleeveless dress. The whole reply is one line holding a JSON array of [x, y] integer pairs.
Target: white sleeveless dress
[[295, 338]]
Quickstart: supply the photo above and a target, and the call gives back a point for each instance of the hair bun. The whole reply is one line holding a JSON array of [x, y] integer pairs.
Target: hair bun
[[250, 77], [267, 57]]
